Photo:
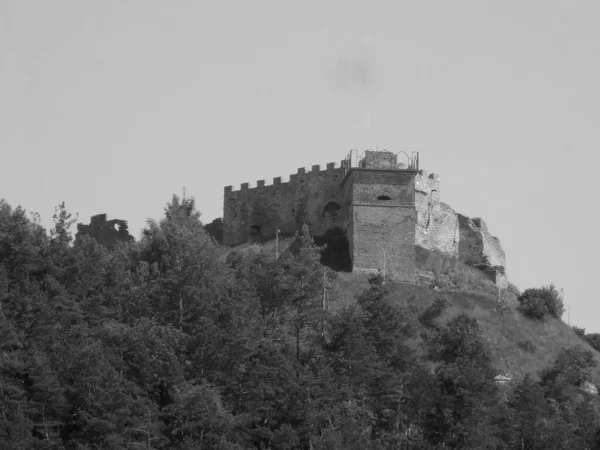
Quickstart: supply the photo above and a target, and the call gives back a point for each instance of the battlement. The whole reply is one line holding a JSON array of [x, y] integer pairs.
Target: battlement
[[315, 170]]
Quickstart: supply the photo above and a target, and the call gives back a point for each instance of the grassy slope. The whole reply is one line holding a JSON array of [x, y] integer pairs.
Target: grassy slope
[[472, 293]]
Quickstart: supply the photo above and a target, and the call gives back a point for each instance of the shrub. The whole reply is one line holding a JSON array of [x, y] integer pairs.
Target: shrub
[[594, 340], [428, 316], [528, 346], [538, 303], [533, 307], [579, 332]]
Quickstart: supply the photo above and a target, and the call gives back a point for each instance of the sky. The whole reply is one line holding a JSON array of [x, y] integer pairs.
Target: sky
[[113, 106]]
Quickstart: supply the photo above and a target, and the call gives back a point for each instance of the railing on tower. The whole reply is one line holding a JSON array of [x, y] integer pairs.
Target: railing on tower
[[380, 159]]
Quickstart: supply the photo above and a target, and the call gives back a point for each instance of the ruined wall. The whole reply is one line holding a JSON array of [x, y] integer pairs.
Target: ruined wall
[[437, 223], [383, 219], [477, 246], [312, 197], [106, 232], [439, 227], [215, 229]]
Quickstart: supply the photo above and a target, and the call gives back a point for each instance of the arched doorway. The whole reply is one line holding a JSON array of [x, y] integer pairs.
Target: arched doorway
[[337, 254]]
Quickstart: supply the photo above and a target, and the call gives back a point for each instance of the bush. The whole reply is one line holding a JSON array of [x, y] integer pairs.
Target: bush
[[533, 307], [539, 303], [528, 346], [428, 316], [579, 332], [594, 340]]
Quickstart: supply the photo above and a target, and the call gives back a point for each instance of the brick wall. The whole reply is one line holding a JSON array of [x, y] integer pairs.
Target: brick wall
[[383, 219], [283, 205], [379, 229]]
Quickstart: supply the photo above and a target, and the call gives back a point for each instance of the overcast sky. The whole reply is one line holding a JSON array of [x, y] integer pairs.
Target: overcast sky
[[113, 106]]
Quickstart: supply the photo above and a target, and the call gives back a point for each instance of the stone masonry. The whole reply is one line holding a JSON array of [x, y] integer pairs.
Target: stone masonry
[[383, 207]]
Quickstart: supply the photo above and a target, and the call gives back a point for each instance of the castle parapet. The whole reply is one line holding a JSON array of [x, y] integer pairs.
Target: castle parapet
[[302, 172]]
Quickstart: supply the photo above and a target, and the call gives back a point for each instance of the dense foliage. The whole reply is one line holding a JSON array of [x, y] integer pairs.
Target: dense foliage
[[593, 339], [171, 343], [539, 303]]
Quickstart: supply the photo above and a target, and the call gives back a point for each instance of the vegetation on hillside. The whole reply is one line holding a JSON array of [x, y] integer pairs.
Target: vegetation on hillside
[[173, 342]]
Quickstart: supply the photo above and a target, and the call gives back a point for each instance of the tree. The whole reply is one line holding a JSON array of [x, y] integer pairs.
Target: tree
[[467, 387], [538, 303], [191, 280], [571, 367], [526, 410], [304, 278], [198, 417]]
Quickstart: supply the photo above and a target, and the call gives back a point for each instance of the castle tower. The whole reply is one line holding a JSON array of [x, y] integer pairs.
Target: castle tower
[[382, 217]]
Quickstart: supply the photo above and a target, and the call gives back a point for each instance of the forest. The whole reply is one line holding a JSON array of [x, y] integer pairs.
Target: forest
[[174, 342]]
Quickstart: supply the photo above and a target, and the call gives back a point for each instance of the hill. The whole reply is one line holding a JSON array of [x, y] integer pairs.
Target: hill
[[175, 342], [518, 345]]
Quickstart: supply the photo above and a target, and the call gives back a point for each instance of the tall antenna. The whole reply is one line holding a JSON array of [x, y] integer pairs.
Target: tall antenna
[[184, 193]]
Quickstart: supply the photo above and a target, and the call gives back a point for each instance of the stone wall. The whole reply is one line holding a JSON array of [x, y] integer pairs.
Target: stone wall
[[384, 232], [477, 247], [383, 219], [106, 232], [215, 229], [439, 227], [379, 160], [437, 223], [313, 197]]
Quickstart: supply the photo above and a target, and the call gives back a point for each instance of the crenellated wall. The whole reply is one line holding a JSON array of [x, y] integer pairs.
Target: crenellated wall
[[383, 208], [308, 197]]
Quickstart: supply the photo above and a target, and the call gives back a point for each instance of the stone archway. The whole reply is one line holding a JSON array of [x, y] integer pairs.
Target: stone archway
[[331, 209], [336, 255]]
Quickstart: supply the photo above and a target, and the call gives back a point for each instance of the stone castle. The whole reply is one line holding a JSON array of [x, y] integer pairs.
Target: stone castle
[[380, 202]]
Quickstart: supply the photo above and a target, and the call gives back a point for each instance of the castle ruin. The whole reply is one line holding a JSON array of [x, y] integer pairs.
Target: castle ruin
[[381, 202]]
